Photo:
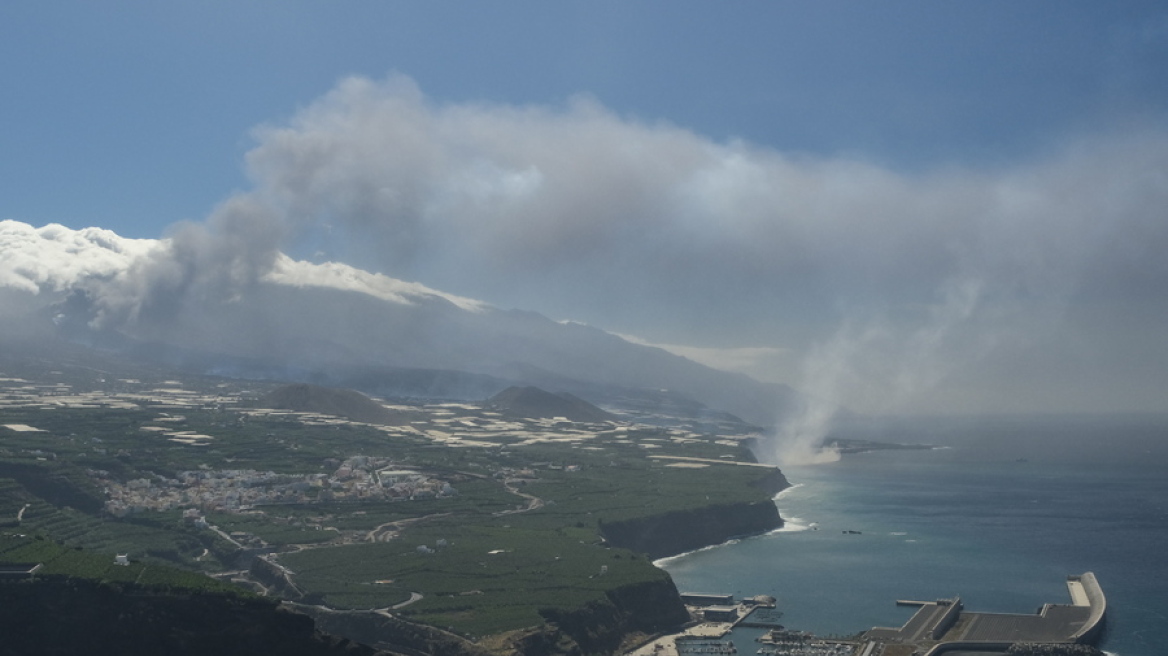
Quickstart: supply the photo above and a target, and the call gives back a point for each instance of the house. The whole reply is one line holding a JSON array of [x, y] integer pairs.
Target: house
[[720, 613]]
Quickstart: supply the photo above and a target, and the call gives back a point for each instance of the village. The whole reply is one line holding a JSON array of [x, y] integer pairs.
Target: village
[[358, 478]]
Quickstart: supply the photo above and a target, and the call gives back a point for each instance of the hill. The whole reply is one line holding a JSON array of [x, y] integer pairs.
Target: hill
[[355, 406], [534, 403]]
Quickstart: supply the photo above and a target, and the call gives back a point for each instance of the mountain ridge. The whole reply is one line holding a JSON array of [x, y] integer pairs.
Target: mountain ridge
[[331, 320]]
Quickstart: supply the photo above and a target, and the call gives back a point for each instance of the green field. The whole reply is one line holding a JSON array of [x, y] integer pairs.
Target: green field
[[58, 560], [490, 561]]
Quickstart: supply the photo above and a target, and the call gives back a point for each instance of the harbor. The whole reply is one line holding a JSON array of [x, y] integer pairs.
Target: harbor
[[718, 618], [937, 627]]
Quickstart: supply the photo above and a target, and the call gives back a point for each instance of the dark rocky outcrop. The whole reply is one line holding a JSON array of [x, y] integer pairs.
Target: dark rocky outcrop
[[680, 531], [535, 403], [58, 616], [601, 627], [773, 483]]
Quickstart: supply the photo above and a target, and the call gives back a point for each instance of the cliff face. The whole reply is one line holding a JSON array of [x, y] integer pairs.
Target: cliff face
[[602, 626], [685, 530], [773, 483], [680, 531], [73, 616]]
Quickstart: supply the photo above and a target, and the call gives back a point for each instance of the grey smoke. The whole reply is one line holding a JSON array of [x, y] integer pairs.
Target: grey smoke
[[650, 229], [878, 366], [198, 267], [486, 197]]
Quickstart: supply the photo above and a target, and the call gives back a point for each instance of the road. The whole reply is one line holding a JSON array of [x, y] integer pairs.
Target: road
[[388, 530], [533, 502]]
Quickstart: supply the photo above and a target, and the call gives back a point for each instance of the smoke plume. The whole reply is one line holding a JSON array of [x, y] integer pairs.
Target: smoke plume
[[879, 366], [889, 281]]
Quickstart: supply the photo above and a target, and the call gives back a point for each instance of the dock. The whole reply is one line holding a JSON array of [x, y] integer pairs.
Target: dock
[[945, 625], [721, 615]]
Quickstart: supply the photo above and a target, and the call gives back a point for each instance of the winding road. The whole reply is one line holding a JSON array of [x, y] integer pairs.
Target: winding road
[[533, 502]]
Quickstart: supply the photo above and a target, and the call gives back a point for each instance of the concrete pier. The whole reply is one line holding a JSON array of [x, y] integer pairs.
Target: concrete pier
[[944, 625], [1086, 588]]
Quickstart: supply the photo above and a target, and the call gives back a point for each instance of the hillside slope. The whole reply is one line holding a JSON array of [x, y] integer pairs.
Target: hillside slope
[[302, 397], [534, 403]]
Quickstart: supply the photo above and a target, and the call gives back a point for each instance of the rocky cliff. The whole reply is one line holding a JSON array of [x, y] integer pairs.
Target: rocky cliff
[[602, 626], [679, 531], [686, 530]]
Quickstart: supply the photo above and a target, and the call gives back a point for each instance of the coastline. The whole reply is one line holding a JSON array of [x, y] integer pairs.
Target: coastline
[[789, 525], [967, 518], [667, 560], [792, 524], [680, 531], [1037, 624]]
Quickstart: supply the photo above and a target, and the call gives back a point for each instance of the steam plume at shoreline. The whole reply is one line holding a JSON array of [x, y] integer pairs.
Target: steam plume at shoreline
[[842, 370]]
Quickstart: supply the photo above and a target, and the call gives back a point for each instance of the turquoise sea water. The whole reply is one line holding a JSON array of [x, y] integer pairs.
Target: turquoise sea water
[[999, 515]]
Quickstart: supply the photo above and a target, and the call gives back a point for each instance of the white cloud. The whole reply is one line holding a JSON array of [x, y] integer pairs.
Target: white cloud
[[335, 275], [55, 258]]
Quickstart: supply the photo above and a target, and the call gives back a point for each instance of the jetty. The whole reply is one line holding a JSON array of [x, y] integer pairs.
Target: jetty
[[944, 625]]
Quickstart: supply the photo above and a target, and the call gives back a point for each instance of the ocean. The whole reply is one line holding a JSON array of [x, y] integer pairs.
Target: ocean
[[999, 515]]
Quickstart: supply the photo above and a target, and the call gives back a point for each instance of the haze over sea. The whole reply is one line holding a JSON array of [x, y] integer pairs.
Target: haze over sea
[[999, 515]]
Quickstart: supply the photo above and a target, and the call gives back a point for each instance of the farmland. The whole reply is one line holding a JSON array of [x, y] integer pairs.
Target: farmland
[[462, 518]]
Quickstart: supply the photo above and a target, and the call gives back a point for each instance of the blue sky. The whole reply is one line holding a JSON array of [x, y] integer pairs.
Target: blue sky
[[916, 192], [133, 115]]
